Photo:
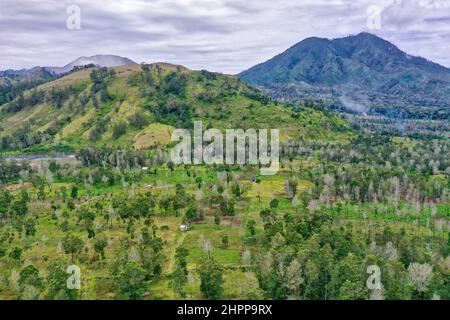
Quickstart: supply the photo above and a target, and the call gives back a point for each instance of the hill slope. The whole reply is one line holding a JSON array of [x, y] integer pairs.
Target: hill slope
[[138, 106], [364, 69], [14, 82]]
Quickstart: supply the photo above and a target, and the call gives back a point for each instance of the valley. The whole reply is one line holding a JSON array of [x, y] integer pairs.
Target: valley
[[87, 184], [115, 220]]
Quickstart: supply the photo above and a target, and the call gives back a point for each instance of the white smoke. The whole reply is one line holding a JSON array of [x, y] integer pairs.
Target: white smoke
[[353, 106]]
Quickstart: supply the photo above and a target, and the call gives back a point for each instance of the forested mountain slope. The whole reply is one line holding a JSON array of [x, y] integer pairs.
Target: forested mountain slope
[[361, 73], [139, 105]]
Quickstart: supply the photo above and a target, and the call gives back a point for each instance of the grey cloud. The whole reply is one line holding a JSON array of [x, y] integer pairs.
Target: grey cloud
[[222, 35], [438, 20], [186, 24]]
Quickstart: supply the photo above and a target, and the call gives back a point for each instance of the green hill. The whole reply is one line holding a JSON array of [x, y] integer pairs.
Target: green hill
[[139, 106], [14, 82]]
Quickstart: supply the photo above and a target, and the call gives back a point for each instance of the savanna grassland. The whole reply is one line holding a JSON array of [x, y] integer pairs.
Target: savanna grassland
[[342, 201]]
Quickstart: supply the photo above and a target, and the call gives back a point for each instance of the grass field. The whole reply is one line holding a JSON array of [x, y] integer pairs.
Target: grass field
[[45, 246]]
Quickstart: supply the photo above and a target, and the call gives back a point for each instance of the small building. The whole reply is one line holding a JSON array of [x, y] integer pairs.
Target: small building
[[184, 228]]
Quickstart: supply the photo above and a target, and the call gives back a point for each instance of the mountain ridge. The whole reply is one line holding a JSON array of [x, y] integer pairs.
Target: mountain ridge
[[100, 60], [373, 70]]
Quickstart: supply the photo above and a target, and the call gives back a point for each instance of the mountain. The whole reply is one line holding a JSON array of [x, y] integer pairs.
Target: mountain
[[363, 73], [139, 106], [14, 82], [98, 60], [10, 73]]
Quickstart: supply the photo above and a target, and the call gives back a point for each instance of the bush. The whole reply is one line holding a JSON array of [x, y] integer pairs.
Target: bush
[[138, 120], [119, 129]]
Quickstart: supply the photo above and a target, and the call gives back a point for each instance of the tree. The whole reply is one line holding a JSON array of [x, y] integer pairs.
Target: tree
[[30, 227], [88, 217], [251, 227], [211, 279], [70, 205], [420, 275], [274, 203], [237, 190], [72, 245], [41, 192], [74, 192], [56, 282], [100, 245], [178, 281], [132, 284], [352, 290], [226, 208], [16, 253], [294, 278], [180, 256], [30, 276], [349, 271], [291, 188], [397, 286], [19, 207], [5, 200], [179, 276], [225, 241], [119, 129], [217, 219], [191, 214], [138, 120]]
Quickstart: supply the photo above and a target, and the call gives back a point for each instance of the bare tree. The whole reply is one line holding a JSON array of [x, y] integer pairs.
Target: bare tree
[[420, 275]]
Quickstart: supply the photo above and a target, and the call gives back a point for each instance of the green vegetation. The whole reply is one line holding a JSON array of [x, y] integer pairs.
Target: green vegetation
[[121, 106], [140, 227]]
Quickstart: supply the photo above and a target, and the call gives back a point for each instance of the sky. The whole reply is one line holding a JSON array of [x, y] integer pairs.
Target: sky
[[226, 36]]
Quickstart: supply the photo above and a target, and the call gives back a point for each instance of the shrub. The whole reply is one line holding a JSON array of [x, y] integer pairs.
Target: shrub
[[138, 120], [119, 129]]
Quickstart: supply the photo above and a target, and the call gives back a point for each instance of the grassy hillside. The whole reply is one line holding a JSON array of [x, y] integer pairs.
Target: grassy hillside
[[139, 106]]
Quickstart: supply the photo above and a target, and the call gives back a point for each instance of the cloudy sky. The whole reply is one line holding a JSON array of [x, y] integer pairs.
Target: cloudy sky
[[219, 35]]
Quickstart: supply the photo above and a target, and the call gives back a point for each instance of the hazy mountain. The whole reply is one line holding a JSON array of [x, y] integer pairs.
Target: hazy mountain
[[13, 82], [20, 73], [361, 73], [98, 60]]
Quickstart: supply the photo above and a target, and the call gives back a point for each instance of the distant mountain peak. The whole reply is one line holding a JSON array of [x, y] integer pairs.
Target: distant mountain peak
[[365, 34], [101, 60], [363, 63]]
